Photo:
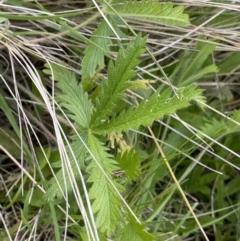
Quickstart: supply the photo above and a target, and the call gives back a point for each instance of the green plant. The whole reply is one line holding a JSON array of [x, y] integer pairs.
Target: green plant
[[131, 151], [101, 120]]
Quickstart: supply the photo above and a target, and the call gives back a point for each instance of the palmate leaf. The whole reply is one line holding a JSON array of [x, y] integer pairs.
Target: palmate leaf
[[152, 11], [117, 82], [129, 161], [72, 97], [106, 201], [150, 110], [94, 56]]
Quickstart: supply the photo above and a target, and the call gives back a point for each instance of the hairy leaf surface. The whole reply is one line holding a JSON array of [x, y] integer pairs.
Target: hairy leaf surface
[[152, 11], [149, 110]]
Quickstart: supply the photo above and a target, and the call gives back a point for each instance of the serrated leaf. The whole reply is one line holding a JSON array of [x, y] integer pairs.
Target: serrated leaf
[[129, 161], [149, 110], [135, 231], [72, 97], [107, 203], [152, 11], [118, 76], [94, 56]]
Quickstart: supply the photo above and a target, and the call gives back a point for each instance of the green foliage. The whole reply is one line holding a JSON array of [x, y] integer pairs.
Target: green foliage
[[7, 111], [105, 189], [219, 128], [135, 230], [93, 55], [110, 175], [8, 139], [79, 105], [214, 128], [228, 64], [106, 200], [152, 11], [118, 75], [58, 188], [149, 110], [129, 161], [233, 124], [191, 67]]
